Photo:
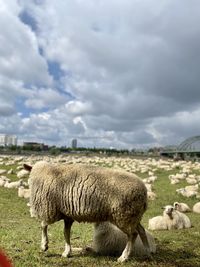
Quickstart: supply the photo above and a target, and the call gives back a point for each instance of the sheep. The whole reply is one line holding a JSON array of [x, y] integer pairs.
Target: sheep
[[15, 184], [187, 192], [109, 240], [84, 193], [196, 207], [23, 192], [2, 171], [3, 180], [22, 174], [182, 207], [151, 195], [171, 219]]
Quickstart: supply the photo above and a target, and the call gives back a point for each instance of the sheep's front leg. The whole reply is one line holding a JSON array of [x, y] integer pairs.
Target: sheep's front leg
[[67, 229], [44, 241], [128, 249]]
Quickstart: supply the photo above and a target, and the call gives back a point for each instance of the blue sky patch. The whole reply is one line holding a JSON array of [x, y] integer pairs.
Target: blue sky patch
[[27, 19], [55, 70]]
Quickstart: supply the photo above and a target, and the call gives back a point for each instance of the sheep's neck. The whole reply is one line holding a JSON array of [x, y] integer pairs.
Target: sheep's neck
[[170, 216]]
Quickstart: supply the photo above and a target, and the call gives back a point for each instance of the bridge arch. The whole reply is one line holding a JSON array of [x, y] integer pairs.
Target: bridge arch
[[190, 144]]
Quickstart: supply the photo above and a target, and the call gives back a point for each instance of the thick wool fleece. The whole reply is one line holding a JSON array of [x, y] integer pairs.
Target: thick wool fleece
[[87, 194]]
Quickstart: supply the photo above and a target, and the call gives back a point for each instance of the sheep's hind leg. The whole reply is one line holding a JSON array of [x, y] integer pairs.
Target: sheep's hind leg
[[128, 249], [44, 241], [67, 229], [143, 236]]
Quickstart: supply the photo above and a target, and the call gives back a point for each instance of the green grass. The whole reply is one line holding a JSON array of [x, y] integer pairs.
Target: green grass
[[20, 235]]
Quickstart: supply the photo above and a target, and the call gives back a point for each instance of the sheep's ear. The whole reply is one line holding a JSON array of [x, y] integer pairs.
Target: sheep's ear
[[162, 208], [27, 167]]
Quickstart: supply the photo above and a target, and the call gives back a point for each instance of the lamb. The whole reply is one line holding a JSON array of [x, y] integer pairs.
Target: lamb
[[196, 207], [84, 193], [109, 240], [171, 219], [182, 207]]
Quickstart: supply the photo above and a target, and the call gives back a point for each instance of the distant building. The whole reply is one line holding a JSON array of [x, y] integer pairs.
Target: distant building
[[74, 143], [8, 140]]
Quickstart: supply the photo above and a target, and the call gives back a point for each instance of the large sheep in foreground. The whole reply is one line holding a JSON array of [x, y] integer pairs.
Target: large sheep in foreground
[[87, 194], [109, 240]]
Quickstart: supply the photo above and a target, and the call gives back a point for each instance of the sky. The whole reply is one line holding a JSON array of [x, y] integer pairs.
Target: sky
[[117, 73]]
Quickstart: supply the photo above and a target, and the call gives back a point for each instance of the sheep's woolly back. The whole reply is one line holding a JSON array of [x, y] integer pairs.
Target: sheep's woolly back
[[108, 240], [196, 207], [86, 193]]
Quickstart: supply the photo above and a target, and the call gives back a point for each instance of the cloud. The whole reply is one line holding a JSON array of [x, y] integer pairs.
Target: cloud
[[45, 98], [112, 73]]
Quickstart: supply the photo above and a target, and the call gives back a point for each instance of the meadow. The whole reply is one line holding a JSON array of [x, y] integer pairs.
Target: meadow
[[20, 234]]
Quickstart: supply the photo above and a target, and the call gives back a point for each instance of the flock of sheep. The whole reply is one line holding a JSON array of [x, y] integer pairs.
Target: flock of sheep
[[104, 191]]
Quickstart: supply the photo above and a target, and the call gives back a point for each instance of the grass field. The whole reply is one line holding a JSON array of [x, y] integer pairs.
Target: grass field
[[20, 234]]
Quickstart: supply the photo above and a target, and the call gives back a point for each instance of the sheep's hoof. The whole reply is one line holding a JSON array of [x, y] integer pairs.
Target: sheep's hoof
[[66, 254], [44, 247], [122, 259]]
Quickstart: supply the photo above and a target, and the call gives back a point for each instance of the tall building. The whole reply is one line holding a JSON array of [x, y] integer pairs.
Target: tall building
[[74, 143], [8, 140]]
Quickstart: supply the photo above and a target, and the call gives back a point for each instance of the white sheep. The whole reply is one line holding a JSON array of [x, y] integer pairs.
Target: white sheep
[[182, 207], [22, 174], [171, 219], [2, 171], [3, 180], [23, 192], [196, 207], [15, 184], [187, 192], [90, 194], [109, 240], [151, 195]]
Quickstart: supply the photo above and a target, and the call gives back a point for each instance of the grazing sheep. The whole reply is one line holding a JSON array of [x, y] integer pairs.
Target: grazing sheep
[[109, 240], [87, 194], [182, 207], [171, 219], [196, 207]]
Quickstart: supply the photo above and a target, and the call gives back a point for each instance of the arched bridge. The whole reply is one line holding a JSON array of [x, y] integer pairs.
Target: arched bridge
[[190, 147]]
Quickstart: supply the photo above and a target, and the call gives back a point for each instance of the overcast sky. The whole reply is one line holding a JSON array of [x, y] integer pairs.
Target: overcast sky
[[117, 73]]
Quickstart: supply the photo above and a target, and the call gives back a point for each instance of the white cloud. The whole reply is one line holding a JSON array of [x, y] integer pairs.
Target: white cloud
[[45, 98]]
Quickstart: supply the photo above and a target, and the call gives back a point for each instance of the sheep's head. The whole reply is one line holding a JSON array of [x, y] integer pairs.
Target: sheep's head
[[176, 205], [168, 210]]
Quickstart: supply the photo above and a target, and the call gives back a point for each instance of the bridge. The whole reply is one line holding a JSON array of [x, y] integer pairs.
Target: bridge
[[187, 149]]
